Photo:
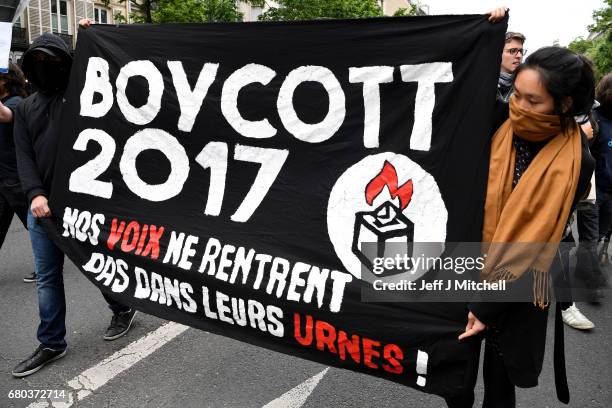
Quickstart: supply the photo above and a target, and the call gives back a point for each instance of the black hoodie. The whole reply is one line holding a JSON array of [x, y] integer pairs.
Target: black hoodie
[[37, 123]]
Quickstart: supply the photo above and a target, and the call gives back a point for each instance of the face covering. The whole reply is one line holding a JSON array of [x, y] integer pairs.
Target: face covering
[[50, 76], [533, 126]]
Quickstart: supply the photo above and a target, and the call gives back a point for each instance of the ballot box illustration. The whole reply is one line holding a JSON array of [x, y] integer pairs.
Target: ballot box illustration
[[385, 231]]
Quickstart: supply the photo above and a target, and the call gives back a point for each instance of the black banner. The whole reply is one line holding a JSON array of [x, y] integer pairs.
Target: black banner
[[225, 176]]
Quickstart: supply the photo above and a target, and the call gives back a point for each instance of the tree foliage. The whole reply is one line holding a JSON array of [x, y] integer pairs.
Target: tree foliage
[[598, 48], [185, 11], [196, 11], [401, 12], [321, 9], [142, 10], [602, 19]]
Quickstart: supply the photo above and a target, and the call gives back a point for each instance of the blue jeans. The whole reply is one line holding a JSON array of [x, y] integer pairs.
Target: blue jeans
[[49, 264]]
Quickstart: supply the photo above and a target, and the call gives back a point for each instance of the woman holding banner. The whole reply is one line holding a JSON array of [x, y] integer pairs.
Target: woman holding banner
[[540, 166]]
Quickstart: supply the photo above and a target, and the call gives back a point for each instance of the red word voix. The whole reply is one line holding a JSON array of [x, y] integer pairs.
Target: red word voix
[[141, 240]]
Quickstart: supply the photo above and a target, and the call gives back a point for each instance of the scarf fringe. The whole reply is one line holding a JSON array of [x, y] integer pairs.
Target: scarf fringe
[[541, 287]]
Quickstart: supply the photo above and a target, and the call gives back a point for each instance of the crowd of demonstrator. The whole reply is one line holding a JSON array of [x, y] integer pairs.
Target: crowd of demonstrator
[[554, 132]]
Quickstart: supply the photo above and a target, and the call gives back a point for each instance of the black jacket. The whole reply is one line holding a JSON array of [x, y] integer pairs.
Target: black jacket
[[602, 151], [37, 126], [8, 161], [522, 326]]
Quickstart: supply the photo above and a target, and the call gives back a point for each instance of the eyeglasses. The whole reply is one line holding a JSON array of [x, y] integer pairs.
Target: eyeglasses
[[514, 51]]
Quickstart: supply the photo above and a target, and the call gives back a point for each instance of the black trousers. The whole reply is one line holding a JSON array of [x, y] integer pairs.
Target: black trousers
[[561, 276], [588, 272], [604, 202], [587, 220], [499, 392], [12, 201]]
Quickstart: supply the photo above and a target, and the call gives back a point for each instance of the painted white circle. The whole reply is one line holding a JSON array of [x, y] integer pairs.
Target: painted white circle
[[426, 208], [169, 146]]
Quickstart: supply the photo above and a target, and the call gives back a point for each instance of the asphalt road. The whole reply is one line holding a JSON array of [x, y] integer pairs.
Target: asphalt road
[[199, 369]]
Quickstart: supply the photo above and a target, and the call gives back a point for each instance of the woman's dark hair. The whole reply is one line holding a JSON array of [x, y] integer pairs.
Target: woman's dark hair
[[564, 74], [603, 94], [15, 82]]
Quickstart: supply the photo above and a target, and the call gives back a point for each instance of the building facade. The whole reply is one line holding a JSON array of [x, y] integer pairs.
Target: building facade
[[62, 17]]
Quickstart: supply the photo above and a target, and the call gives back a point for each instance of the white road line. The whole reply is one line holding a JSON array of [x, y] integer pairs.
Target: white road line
[[296, 397], [95, 377]]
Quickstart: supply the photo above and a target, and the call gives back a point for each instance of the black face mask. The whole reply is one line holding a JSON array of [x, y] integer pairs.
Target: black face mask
[[50, 76]]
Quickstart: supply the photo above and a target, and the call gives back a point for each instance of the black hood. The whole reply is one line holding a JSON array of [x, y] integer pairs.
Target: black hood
[[50, 42]]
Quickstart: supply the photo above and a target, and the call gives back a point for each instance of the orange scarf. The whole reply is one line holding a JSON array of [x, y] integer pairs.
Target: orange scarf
[[534, 213]]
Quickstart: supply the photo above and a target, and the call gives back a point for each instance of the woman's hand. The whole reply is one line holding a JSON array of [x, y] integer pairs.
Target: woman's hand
[[40, 207], [497, 15], [474, 326]]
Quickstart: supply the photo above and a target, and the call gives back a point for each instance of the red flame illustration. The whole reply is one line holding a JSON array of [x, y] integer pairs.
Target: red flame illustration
[[388, 177]]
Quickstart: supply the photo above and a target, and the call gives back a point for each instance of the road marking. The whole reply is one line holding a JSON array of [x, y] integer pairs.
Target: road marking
[[297, 396], [95, 377]]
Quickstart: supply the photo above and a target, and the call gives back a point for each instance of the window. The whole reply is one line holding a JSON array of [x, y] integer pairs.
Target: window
[[100, 15], [59, 16]]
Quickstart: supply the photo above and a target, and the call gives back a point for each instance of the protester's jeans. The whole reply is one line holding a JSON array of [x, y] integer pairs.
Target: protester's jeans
[[49, 263], [12, 201], [115, 306]]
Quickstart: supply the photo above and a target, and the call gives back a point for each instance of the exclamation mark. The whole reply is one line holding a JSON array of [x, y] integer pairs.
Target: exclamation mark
[[421, 367]]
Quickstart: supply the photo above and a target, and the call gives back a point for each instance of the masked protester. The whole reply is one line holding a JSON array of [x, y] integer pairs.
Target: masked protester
[[37, 131], [540, 166], [12, 199]]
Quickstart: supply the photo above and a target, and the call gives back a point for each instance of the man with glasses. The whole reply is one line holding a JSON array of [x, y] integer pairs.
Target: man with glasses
[[511, 58]]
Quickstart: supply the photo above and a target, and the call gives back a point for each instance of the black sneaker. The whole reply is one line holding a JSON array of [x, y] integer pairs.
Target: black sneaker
[[30, 278], [41, 357], [120, 324]]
